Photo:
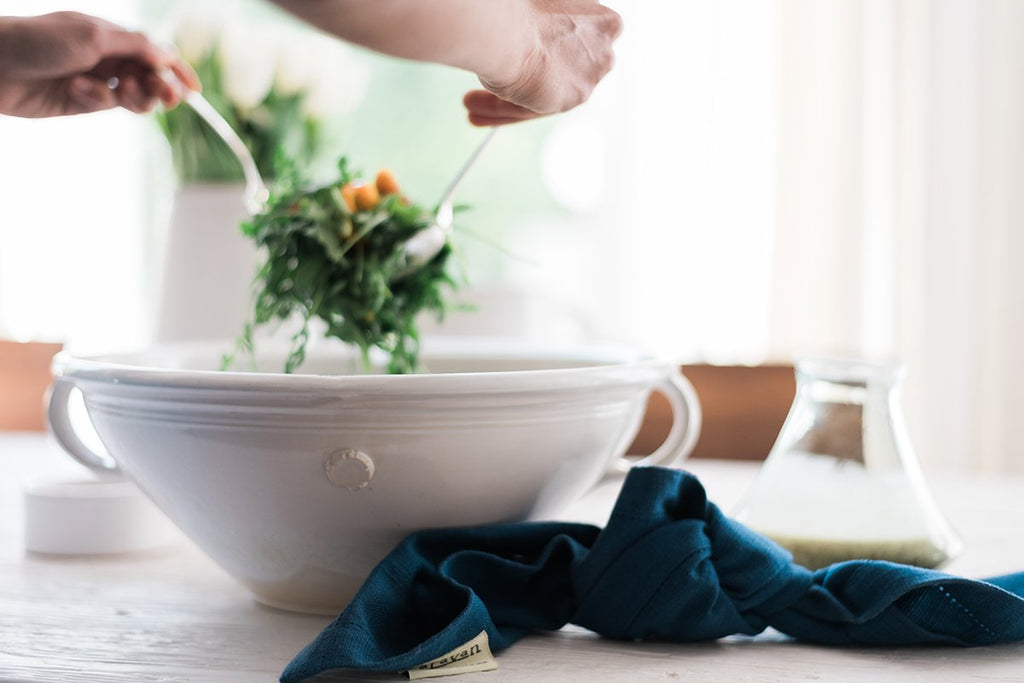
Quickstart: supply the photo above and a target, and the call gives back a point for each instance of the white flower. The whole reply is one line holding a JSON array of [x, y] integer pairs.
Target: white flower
[[196, 33], [247, 60], [337, 81], [295, 64]]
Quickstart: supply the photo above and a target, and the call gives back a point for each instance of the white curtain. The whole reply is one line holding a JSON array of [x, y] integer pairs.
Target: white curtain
[[828, 177], [901, 163]]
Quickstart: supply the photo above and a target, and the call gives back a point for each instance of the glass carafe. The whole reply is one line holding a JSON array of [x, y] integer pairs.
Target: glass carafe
[[842, 481]]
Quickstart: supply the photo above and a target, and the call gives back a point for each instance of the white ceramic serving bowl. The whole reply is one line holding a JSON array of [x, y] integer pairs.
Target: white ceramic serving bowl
[[297, 485]]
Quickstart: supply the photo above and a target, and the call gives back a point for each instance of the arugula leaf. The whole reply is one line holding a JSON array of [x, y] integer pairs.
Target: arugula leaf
[[344, 265]]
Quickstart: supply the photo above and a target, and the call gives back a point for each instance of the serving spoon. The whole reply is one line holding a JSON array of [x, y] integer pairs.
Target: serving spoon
[[256, 192], [425, 244], [419, 249]]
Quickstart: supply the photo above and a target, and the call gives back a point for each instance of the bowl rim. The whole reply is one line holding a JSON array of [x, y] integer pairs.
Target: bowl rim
[[602, 363]]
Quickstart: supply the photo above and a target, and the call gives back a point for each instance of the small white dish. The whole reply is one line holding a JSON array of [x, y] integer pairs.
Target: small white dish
[[92, 516]]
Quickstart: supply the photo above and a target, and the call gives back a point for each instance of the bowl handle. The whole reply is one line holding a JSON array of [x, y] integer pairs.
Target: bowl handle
[[63, 429], [684, 432]]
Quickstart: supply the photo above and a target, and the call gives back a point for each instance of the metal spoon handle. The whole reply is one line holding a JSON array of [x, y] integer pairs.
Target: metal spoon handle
[[450, 191], [256, 191], [426, 243]]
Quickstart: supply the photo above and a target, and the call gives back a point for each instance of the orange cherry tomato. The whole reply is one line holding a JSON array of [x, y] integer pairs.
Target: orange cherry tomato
[[348, 195], [367, 197], [386, 183]]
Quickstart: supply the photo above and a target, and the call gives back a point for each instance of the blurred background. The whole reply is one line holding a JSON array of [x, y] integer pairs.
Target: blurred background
[[757, 180]]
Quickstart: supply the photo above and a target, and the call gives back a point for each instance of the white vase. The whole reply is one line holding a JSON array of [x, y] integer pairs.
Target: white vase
[[208, 266]]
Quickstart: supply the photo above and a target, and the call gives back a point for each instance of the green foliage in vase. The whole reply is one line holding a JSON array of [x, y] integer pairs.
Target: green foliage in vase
[[278, 125]]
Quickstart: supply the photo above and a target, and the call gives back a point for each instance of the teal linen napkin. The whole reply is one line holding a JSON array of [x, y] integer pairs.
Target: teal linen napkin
[[668, 566]]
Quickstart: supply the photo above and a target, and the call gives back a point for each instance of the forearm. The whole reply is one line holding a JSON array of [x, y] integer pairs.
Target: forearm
[[490, 38]]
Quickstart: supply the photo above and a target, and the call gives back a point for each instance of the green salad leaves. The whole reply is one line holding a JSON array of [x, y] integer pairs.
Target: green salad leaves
[[336, 253]]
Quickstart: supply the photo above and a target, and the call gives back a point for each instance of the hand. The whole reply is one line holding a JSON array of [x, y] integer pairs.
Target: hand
[[70, 63], [567, 52]]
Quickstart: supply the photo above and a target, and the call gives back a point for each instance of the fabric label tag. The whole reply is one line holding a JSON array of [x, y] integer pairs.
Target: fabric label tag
[[472, 656]]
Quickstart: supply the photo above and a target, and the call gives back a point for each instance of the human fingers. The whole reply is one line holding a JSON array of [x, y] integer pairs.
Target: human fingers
[[87, 94], [185, 75], [134, 46], [170, 85], [120, 80], [159, 88], [133, 95], [137, 92], [134, 85], [487, 109], [117, 43]]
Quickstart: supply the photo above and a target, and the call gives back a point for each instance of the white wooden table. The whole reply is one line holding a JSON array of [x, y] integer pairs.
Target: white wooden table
[[172, 615]]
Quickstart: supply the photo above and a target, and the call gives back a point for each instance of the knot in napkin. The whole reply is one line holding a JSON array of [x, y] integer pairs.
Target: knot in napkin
[[668, 566], [667, 555]]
